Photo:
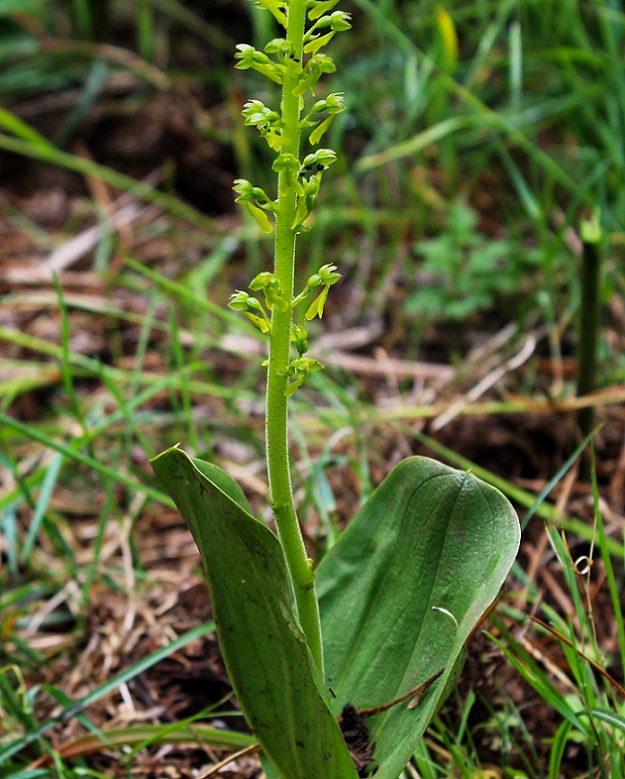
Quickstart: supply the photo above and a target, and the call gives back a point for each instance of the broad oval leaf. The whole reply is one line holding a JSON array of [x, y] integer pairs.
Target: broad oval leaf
[[264, 648], [402, 590]]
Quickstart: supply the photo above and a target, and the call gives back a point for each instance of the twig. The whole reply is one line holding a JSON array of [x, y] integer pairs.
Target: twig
[[230, 759]]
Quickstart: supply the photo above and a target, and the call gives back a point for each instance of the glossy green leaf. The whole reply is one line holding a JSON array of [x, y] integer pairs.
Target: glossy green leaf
[[263, 645], [402, 590], [224, 481]]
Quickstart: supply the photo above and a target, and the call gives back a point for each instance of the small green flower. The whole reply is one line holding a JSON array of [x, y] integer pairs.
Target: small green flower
[[337, 22], [326, 277], [242, 301], [282, 48], [328, 274], [255, 112], [244, 190], [267, 122], [298, 369], [271, 288], [249, 57], [264, 280], [307, 202], [246, 193], [316, 66], [239, 300], [318, 161], [288, 164], [299, 336], [333, 104]]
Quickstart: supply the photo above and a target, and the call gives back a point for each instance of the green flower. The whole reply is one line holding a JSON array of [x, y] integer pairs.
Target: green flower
[[249, 57], [299, 336], [299, 370], [316, 66], [271, 288]]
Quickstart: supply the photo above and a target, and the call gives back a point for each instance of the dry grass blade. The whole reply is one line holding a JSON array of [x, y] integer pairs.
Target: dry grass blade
[[486, 383], [137, 735], [251, 750], [383, 365]]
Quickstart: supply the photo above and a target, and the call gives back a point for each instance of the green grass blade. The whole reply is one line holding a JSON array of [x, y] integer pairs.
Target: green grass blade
[[28, 431], [47, 152], [49, 482], [557, 749], [37, 731]]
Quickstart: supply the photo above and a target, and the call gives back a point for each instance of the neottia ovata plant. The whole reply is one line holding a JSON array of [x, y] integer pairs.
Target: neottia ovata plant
[[386, 615]]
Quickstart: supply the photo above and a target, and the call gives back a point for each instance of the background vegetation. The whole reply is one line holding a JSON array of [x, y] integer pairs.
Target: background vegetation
[[478, 138]]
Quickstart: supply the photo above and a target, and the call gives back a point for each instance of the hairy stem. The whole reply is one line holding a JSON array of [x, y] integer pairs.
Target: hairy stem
[[278, 467]]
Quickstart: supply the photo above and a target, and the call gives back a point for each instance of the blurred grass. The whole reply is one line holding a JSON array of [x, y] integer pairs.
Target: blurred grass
[[513, 111]]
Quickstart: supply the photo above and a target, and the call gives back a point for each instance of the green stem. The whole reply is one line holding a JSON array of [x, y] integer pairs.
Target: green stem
[[588, 328], [300, 567]]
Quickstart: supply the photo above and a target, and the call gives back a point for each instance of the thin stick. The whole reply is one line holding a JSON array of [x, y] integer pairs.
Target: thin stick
[[230, 759], [417, 693]]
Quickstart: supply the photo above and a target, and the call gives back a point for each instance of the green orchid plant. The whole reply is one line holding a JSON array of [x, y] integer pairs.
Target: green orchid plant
[[339, 669]]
